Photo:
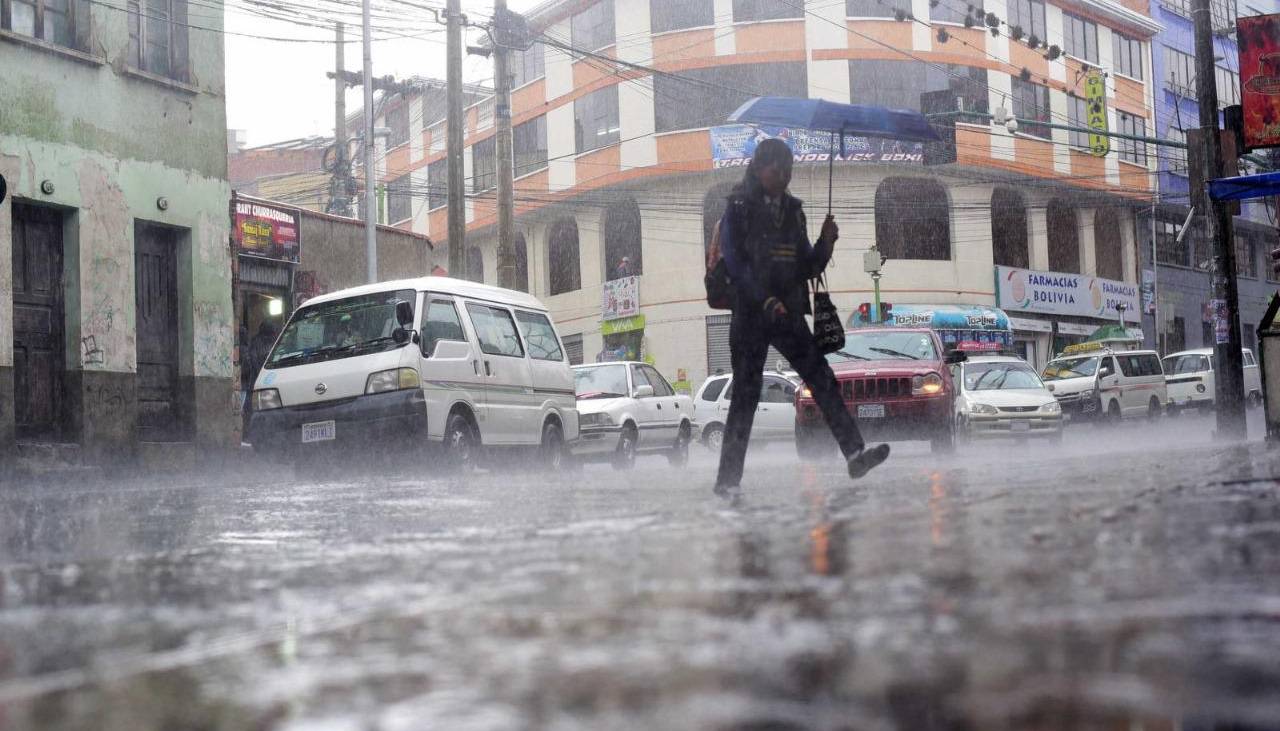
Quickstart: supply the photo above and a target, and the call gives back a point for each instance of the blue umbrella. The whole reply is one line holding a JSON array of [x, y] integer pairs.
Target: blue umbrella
[[820, 115]]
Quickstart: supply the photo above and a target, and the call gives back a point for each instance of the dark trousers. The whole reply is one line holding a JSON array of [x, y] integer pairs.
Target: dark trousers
[[749, 341]]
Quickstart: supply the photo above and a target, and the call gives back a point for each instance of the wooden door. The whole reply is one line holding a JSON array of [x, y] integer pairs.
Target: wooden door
[[156, 300], [38, 350]]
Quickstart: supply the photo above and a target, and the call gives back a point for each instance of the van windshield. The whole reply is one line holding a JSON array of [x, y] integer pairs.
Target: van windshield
[[1070, 368], [340, 329]]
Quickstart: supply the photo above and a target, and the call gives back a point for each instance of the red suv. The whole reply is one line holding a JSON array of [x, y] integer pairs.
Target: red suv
[[895, 381]]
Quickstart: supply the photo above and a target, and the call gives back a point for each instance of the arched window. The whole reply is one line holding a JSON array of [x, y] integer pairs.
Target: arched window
[[563, 257], [1064, 237], [913, 219], [713, 206], [475, 264], [623, 254], [522, 263], [1009, 228], [1107, 245]]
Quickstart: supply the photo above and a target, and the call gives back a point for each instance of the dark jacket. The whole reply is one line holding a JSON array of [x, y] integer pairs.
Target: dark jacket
[[767, 257]]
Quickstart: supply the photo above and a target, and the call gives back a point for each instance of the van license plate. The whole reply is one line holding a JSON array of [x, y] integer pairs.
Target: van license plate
[[319, 431], [870, 411], [1020, 426]]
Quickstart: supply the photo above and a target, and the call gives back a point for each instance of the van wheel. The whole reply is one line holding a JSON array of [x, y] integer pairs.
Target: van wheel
[[713, 437], [461, 445], [679, 455], [1113, 413], [624, 457], [1153, 409], [552, 451]]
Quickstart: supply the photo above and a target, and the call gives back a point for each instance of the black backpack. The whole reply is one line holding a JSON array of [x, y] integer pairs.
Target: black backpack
[[716, 278]]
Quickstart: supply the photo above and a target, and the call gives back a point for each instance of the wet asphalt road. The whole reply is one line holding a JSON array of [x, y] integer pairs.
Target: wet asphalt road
[[1127, 579]]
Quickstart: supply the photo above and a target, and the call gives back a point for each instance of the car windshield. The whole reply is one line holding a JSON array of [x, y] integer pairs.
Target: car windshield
[[603, 381], [340, 329], [885, 345], [1070, 368], [1176, 365], [999, 376]]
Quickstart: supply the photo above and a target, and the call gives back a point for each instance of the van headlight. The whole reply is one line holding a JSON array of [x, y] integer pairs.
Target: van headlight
[[392, 380], [927, 384], [600, 419], [266, 399], [1051, 408], [984, 409]]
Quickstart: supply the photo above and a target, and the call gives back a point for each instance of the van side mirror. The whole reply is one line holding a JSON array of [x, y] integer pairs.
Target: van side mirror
[[955, 357], [644, 391], [404, 313], [401, 335]]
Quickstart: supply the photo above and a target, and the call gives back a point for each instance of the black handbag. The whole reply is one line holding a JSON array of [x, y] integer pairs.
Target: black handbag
[[828, 332]]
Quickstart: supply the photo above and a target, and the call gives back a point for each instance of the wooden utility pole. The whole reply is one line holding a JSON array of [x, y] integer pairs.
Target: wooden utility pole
[[339, 204], [453, 143], [502, 148], [1228, 361]]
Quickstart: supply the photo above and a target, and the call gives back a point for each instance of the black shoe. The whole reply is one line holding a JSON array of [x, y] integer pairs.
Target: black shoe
[[862, 461], [725, 490]]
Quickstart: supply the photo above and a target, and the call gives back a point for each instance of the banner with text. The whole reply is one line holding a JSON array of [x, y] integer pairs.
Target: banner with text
[[733, 145], [620, 298], [267, 231], [1057, 293], [1259, 37]]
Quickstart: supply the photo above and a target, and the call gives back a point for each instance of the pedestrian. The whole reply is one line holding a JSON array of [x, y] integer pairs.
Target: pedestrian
[[765, 244]]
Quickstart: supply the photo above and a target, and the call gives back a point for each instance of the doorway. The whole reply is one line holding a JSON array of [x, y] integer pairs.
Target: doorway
[[38, 351], [156, 302]]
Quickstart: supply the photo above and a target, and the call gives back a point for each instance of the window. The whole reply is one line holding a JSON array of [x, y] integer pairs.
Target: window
[[1223, 13], [744, 10], [1064, 237], [1248, 354], [1151, 365], [665, 15], [1130, 365], [1181, 7], [776, 391], [1228, 87], [658, 381], [1176, 156], [158, 37], [713, 389], [1132, 150], [954, 12], [527, 66], [702, 97], [441, 323], [1080, 37], [913, 219], [522, 262], [496, 330], [1031, 102], [1078, 116], [573, 348], [475, 264], [1181, 68], [899, 84], [61, 22], [563, 257], [1009, 228], [623, 253], [1246, 257], [539, 336], [529, 143], [1168, 249], [400, 199], [1175, 338], [876, 8], [398, 122], [595, 119], [592, 29], [438, 184], [1126, 54], [1029, 16], [484, 174], [639, 378], [1108, 248]]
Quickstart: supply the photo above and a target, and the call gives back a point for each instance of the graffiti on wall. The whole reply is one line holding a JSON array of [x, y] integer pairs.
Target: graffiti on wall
[[90, 353]]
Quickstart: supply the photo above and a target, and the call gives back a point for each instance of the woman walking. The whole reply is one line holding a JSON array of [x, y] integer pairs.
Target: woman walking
[[765, 242]]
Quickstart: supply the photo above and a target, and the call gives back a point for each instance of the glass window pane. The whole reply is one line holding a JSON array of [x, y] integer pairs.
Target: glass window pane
[[595, 119], [540, 336], [22, 18], [592, 29], [441, 323], [668, 15], [496, 330]]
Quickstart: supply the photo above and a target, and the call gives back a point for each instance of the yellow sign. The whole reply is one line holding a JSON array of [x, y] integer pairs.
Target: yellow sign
[[1095, 97]]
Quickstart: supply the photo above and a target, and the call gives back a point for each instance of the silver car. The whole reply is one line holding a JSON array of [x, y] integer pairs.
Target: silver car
[[1001, 396]]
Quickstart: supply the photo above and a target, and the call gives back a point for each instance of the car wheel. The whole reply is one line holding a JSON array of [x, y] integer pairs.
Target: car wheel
[[624, 457], [963, 435], [944, 442], [1153, 408], [552, 451], [713, 437], [679, 455], [461, 445]]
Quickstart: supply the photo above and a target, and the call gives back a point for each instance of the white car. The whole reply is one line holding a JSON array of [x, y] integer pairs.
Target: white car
[[775, 415], [1001, 396], [627, 408], [1190, 375]]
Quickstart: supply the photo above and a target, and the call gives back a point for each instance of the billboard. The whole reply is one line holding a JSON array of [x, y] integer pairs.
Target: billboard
[[266, 230], [1095, 95], [620, 298], [1062, 293], [733, 145], [1259, 40]]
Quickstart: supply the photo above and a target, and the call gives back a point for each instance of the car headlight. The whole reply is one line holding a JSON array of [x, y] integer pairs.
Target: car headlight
[[392, 380], [1051, 408], [984, 409], [600, 419], [806, 392], [266, 399], [927, 384]]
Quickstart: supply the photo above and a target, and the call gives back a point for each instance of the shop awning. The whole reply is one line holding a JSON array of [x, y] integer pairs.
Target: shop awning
[[1244, 187]]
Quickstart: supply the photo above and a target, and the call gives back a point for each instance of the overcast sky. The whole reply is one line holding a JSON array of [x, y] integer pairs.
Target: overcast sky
[[278, 90]]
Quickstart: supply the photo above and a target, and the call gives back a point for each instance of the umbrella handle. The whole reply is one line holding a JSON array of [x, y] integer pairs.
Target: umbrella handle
[[831, 170]]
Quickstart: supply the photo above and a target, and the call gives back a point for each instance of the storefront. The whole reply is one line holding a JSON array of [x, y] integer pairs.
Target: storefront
[[1032, 339], [622, 325], [268, 248]]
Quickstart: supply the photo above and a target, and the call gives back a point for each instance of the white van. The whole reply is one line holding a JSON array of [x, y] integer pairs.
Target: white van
[[1190, 375], [1106, 384], [435, 359]]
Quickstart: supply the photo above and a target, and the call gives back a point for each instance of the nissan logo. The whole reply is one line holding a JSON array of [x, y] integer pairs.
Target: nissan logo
[[321, 388]]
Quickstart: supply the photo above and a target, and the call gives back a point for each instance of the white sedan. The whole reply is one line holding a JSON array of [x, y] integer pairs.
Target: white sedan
[[1000, 396], [627, 408], [775, 415]]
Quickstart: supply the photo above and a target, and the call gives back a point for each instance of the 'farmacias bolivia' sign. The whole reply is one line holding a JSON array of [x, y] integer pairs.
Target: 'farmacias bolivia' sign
[[1060, 293]]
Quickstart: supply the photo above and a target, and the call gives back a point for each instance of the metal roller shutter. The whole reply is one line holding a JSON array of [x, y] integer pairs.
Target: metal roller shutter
[[718, 356]]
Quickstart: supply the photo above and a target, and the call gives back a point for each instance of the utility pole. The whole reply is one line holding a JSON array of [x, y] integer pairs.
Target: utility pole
[[339, 205], [453, 143], [1229, 382], [502, 148], [370, 174]]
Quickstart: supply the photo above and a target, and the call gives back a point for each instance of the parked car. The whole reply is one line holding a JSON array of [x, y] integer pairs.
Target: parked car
[[1107, 384], [1002, 396], [432, 359], [628, 408], [1190, 377], [775, 415], [896, 382]]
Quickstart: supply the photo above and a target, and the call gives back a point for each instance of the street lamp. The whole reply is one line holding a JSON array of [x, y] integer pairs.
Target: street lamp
[[1120, 308]]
